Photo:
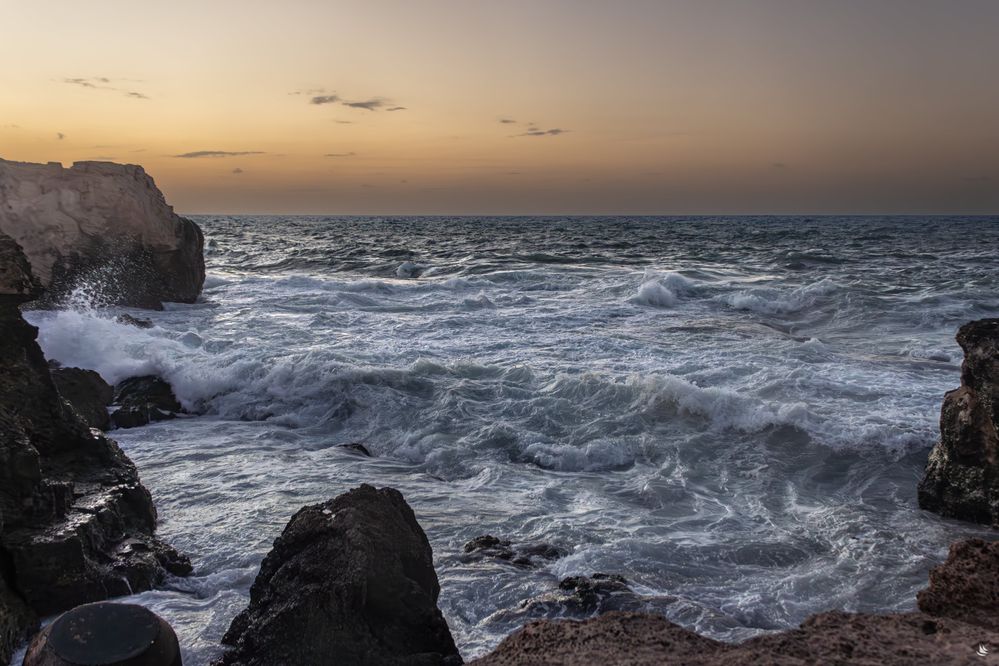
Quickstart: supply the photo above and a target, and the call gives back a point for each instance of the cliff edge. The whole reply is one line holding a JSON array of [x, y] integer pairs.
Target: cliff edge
[[103, 225]]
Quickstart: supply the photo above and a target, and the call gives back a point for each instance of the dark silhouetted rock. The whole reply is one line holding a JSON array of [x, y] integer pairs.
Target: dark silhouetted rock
[[143, 400], [355, 447], [966, 586], [962, 474], [349, 581], [102, 227], [521, 554], [76, 525], [138, 322], [106, 634], [87, 392]]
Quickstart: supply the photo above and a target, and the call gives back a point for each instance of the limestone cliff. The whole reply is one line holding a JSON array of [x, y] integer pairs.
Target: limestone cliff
[[962, 474], [101, 224]]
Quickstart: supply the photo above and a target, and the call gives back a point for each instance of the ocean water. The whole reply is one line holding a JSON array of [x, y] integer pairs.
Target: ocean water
[[732, 413]]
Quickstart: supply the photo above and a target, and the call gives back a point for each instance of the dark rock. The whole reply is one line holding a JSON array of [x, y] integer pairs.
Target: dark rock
[[581, 597], [142, 400], [640, 639], [356, 447], [966, 586], [75, 521], [349, 581], [962, 473], [87, 393], [106, 634], [523, 555], [138, 322]]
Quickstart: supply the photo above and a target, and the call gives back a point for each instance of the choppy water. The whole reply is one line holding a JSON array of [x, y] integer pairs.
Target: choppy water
[[731, 413]]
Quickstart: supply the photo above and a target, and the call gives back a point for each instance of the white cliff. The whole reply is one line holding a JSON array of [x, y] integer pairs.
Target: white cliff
[[105, 224]]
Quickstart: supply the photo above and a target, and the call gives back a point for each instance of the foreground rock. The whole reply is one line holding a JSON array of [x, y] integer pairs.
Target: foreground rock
[[87, 393], [76, 525], [962, 474], [142, 400], [522, 554], [103, 224], [349, 581]]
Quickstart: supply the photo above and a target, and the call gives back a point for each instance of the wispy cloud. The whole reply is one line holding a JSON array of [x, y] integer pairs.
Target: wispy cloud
[[368, 105], [324, 99], [350, 154], [238, 171], [507, 121], [104, 83], [60, 136], [218, 153], [555, 131]]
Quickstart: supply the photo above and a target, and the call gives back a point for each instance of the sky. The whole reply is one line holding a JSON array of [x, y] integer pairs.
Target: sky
[[542, 107]]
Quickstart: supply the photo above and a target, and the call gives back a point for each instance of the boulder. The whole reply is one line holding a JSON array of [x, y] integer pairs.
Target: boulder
[[962, 473], [487, 546], [142, 400], [76, 524], [102, 226], [349, 581], [87, 392]]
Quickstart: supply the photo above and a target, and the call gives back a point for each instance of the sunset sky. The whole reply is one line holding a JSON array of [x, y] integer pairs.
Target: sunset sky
[[383, 107]]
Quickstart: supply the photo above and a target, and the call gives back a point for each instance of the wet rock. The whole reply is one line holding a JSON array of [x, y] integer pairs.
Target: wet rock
[[962, 473], [102, 226], [88, 394], [106, 634], [138, 322], [357, 448], [966, 586], [72, 507], [142, 400], [581, 597], [349, 581], [524, 554]]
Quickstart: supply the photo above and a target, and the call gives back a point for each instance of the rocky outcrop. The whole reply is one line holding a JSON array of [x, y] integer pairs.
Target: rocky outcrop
[[102, 225], [487, 546], [349, 581], [76, 524], [962, 474], [87, 392], [949, 631], [142, 400]]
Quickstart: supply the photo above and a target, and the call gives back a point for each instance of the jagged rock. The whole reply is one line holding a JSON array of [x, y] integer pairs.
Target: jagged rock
[[640, 639], [522, 554], [962, 474], [966, 586], [138, 322], [75, 521], [101, 224], [349, 581], [143, 400], [580, 597], [87, 392]]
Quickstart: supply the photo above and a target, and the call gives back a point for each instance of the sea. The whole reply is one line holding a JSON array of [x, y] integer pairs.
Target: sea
[[732, 413]]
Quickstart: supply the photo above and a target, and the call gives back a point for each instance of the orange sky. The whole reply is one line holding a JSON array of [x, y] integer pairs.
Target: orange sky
[[701, 106]]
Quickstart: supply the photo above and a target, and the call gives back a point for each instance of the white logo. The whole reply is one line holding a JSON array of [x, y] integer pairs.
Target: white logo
[[983, 650]]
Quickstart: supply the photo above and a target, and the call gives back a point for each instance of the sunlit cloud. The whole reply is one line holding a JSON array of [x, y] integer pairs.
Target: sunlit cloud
[[555, 131], [104, 83], [350, 154], [218, 153]]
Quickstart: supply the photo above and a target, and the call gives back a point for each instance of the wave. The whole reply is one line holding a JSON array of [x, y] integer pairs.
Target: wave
[[773, 301]]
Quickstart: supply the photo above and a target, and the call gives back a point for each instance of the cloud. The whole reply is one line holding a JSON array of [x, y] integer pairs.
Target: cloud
[[507, 121], [218, 153], [60, 136], [397, 108], [345, 122], [310, 92], [555, 131], [104, 83], [238, 171], [368, 105], [779, 165], [350, 154], [11, 126], [324, 99]]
